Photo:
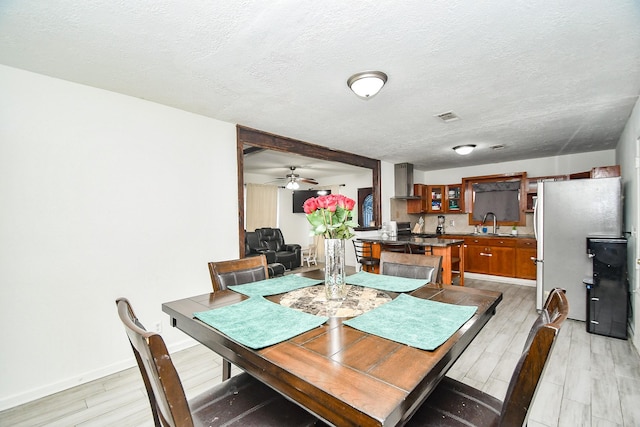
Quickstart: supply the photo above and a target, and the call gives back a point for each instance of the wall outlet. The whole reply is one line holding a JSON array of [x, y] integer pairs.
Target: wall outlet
[[452, 223], [157, 327]]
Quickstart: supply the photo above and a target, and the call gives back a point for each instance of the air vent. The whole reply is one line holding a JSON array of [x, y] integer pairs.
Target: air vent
[[449, 116]]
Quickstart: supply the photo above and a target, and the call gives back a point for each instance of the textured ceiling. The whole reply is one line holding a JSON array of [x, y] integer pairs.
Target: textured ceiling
[[541, 78]]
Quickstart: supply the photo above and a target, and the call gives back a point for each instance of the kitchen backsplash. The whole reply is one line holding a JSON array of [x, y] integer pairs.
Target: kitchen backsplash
[[460, 221]]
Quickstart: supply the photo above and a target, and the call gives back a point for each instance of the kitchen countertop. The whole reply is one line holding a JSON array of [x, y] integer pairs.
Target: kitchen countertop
[[418, 241], [517, 236]]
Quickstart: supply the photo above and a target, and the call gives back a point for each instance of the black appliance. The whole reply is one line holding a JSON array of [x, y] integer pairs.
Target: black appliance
[[608, 289], [404, 229]]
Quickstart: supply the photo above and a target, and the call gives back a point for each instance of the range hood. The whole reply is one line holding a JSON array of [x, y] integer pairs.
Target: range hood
[[404, 181]]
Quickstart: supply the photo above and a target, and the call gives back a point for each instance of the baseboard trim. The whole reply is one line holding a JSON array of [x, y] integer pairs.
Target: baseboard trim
[[46, 390], [501, 279]]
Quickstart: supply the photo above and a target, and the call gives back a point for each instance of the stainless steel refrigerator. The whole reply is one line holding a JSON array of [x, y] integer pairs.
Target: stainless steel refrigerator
[[565, 214]]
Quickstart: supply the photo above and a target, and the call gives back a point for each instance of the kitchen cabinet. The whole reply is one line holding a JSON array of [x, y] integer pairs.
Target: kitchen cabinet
[[526, 252], [418, 206], [454, 202], [493, 256], [476, 258], [435, 198], [531, 188], [597, 172]]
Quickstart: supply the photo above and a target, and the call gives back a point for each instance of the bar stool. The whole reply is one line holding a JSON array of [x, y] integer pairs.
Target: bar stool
[[364, 255]]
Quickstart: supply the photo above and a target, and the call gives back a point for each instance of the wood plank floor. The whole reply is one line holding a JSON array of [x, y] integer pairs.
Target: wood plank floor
[[590, 380]]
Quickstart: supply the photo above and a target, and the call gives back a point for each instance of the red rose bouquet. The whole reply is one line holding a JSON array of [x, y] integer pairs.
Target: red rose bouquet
[[330, 216]]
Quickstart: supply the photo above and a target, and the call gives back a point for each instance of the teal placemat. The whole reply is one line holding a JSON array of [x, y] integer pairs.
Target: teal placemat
[[385, 283], [278, 285], [259, 323], [414, 321]]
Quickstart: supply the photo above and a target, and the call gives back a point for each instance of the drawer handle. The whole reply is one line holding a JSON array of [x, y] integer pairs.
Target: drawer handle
[[484, 254]]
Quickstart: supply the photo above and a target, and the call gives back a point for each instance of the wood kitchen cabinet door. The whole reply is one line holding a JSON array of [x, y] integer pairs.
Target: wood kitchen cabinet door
[[526, 252], [502, 261], [476, 255], [454, 202], [476, 260], [435, 198], [418, 206]]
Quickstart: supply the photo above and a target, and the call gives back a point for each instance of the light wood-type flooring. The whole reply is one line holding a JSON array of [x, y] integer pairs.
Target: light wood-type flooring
[[590, 380]]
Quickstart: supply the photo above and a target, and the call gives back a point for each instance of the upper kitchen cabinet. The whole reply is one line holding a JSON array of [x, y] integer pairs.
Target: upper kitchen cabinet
[[435, 198], [532, 188], [455, 198], [418, 206], [597, 172]]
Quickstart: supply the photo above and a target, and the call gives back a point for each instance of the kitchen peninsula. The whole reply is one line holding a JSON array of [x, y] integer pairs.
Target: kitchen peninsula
[[451, 251]]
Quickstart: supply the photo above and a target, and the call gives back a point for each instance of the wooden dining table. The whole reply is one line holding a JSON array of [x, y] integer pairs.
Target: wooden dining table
[[343, 375]]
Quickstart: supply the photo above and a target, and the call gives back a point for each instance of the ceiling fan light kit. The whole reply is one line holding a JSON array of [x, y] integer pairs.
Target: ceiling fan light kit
[[293, 179], [367, 84]]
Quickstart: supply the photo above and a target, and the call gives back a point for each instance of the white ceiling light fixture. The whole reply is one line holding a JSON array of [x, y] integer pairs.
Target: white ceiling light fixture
[[367, 83], [292, 185], [463, 150]]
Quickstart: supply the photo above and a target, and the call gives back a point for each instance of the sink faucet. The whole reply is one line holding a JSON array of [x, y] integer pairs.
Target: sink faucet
[[495, 221]]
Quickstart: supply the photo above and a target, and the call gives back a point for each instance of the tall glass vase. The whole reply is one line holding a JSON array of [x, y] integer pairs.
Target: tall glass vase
[[334, 285]]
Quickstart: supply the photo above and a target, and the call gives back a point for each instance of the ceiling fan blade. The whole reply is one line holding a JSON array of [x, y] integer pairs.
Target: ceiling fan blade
[[308, 180]]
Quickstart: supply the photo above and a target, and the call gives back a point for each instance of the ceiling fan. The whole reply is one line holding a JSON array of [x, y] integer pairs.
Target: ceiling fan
[[292, 179]]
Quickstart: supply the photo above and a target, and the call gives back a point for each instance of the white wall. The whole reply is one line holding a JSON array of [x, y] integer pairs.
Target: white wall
[[101, 196], [558, 165], [627, 155]]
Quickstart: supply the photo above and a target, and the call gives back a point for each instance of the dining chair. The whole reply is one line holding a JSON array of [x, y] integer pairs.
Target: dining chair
[[364, 255], [309, 255], [454, 403], [413, 266], [240, 401], [236, 272]]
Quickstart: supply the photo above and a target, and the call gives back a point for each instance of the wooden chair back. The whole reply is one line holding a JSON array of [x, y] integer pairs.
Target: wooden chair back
[[364, 254], [164, 389], [530, 367], [414, 266], [238, 271]]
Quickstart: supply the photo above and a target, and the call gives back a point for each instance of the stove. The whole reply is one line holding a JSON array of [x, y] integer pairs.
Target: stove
[[404, 230], [426, 235]]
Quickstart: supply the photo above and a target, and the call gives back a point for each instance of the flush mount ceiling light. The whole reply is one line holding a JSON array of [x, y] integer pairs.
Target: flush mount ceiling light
[[367, 83], [292, 185], [463, 150]]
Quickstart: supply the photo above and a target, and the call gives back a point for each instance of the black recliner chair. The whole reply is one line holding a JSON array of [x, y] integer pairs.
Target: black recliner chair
[[288, 255], [253, 247]]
